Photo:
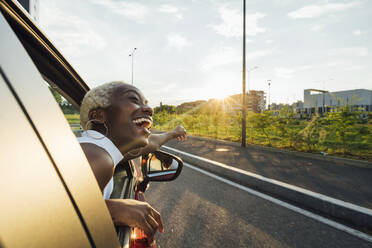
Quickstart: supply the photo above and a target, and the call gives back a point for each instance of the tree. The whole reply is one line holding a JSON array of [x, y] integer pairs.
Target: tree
[[67, 107], [56, 95], [285, 125], [310, 133], [263, 123], [342, 122]]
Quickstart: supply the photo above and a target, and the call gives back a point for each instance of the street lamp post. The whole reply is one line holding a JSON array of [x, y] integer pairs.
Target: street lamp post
[[132, 56], [243, 95], [269, 83]]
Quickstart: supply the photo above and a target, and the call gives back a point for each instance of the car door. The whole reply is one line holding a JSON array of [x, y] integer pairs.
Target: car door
[[50, 197]]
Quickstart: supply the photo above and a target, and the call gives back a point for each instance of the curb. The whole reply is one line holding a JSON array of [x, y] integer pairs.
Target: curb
[[348, 213]]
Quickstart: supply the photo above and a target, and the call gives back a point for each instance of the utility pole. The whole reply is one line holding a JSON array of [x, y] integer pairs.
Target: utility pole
[[132, 55], [243, 100]]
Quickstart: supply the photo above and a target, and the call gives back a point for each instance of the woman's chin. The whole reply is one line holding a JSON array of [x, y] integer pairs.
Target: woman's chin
[[141, 142]]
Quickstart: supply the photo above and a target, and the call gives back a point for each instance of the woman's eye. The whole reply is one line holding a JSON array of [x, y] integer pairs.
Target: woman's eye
[[134, 99]]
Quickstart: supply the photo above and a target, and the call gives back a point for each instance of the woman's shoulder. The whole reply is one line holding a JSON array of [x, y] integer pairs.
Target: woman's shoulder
[[101, 163], [97, 154]]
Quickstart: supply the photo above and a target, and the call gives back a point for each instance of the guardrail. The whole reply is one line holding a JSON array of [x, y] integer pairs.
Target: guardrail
[[349, 214]]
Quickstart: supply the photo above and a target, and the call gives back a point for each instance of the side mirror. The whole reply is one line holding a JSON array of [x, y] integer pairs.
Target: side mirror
[[161, 166]]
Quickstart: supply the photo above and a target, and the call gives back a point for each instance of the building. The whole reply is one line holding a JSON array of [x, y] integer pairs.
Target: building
[[32, 7], [255, 101], [278, 106], [325, 101]]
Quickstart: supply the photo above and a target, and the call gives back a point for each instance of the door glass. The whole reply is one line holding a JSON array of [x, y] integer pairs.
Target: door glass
[[70, 112]]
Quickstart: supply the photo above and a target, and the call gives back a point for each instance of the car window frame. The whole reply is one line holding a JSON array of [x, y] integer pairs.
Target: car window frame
[[99, 225]]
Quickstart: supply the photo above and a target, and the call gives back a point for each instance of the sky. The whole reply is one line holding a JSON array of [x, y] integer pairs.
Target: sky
[[192, 49]]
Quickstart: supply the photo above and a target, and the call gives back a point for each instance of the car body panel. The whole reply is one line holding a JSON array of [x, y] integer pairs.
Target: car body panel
[[27, 220], [56, 134]]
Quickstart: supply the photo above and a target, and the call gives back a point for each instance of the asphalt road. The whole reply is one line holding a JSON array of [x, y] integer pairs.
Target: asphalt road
[[200, 211], [345, 182]]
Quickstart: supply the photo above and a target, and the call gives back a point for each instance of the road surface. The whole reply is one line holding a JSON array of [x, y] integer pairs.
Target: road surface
[[345, 182], [200, 211]]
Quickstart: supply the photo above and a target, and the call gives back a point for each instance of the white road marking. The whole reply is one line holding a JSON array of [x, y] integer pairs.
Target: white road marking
[[306, 213], [313, 194]]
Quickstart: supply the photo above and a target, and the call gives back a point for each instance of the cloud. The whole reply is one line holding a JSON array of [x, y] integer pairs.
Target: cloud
[[317, 27], [269, 41], [73, 35], [311, 11], [349, 51], [232, 23], [170, 9], [258, 54], [357, 32], [131, 10], [282, 72], [177, 41], [225, 55]]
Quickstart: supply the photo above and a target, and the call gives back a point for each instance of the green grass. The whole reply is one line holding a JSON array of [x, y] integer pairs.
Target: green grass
[[228, 128], [73, 118]]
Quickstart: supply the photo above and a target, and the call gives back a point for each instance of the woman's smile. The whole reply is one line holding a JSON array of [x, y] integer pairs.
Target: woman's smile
[[143, 123]]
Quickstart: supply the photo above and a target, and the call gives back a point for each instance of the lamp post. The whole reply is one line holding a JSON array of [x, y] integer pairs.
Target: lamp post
[[269, 83], [243, 95], [132, 55]]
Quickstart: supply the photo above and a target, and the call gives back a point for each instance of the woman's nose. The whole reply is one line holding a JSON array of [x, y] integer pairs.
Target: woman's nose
[[147, 109]]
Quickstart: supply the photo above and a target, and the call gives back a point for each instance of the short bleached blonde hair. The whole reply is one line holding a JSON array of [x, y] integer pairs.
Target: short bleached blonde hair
[[98, 97]]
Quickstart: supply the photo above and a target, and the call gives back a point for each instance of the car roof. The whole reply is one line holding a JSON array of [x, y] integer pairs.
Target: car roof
[[50, 62]]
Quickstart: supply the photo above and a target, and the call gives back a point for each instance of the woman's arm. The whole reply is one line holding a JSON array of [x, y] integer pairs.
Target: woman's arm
[[126, 212], [100, 162], [157, 140]]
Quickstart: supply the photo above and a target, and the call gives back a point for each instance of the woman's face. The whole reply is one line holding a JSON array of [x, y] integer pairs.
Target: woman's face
[[129, 118]]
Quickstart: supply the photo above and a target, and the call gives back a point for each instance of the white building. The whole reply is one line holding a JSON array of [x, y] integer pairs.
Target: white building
[[323, 101]]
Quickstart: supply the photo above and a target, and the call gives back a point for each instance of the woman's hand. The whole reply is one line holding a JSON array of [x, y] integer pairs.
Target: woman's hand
[[179, 133], [157, 140], [135, 213]]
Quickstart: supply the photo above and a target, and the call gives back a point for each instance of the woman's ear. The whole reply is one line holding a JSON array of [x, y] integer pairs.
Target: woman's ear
[[97, 114]]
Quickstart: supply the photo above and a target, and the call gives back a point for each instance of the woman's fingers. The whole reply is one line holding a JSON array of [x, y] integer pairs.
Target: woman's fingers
[[152, 222], [149, 231], [158, 219]]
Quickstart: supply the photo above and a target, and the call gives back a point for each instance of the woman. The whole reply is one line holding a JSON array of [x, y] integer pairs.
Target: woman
[[117, 119]]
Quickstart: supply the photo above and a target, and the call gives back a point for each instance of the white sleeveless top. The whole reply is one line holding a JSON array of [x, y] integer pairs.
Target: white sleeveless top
[[105, 143]]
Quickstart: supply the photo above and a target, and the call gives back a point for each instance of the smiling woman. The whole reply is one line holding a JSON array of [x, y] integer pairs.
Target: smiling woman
[[116, 120], [120, 112]]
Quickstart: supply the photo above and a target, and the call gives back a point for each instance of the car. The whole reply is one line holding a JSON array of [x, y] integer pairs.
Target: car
[[49, 195]]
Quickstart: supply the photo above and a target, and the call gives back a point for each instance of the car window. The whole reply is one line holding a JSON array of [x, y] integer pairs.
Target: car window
[[122, 176], [70, 112]]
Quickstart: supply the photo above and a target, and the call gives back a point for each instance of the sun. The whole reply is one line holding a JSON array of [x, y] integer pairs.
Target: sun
[[217, 92]]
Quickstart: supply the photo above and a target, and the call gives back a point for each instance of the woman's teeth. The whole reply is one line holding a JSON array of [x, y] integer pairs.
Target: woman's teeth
[[143, 122]]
